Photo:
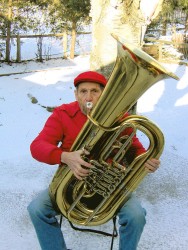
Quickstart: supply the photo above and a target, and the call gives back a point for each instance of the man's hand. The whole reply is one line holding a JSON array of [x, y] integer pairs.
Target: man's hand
[[75, 163], [152, 165]]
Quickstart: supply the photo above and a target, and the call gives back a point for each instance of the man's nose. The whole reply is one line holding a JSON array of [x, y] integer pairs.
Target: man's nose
[[89, 96]]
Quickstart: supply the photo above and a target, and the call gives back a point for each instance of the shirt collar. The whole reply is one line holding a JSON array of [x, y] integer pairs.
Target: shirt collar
[[72, 108]]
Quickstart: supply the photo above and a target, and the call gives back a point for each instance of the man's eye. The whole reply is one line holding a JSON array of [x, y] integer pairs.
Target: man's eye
[[83, 91], [94, 90]]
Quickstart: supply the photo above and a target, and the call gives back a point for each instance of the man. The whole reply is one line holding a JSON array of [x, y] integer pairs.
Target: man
[[52, 146]]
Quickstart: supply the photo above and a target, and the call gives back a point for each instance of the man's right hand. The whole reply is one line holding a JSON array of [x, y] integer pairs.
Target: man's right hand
[[75, 162]]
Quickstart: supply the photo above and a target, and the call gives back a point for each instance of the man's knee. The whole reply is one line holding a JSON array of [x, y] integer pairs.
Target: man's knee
[[132, 212], [33, 208], [136, 217]]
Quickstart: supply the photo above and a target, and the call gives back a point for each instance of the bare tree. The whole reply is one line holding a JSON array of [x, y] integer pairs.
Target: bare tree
[[127, 18]]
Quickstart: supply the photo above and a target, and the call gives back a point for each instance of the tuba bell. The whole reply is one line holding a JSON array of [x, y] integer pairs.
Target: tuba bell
[[97, 198]]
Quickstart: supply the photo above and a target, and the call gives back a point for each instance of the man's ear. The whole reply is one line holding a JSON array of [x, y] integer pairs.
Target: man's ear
[[76, 94]]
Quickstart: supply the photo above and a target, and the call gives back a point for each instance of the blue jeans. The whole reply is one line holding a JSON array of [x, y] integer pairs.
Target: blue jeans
[[43, 216]]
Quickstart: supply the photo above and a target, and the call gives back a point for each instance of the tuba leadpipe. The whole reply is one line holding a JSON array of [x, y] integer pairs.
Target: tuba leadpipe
[[97, 198]]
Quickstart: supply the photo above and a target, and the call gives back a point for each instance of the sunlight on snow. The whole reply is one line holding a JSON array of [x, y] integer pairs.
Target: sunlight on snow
[[182, 101], [45, 78], [148, 100]]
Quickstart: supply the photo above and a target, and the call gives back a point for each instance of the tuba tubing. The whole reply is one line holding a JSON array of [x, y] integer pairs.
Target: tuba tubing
[[97, 198]]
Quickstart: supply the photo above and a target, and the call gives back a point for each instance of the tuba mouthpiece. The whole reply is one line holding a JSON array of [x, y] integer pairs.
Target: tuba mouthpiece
[[89, 105]]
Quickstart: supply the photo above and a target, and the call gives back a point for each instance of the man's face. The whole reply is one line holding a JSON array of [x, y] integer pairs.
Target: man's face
[[87, 92]]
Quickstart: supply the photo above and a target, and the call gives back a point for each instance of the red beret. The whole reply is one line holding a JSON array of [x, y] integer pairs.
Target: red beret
[[90, 76]]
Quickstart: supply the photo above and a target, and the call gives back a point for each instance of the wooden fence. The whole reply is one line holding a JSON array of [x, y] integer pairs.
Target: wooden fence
[[19, 37], [156, 47]]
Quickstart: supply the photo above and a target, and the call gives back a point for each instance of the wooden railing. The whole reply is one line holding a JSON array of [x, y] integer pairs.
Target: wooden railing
[[19, 37], [156, 48]]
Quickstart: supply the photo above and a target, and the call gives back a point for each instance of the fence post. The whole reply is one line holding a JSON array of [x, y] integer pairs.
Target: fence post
[[18, 56], [39, 46]]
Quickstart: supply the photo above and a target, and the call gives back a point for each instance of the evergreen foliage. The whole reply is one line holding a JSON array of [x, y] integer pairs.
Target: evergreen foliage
[[173, 12], [41, 16]]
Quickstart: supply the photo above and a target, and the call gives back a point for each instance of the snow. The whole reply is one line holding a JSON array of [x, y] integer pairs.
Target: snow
[[163, 194]]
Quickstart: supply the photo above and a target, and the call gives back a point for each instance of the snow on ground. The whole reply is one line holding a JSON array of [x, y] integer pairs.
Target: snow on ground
[[163, 194]]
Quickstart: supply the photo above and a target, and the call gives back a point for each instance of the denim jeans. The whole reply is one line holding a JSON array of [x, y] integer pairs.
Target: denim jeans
[[43, 216]]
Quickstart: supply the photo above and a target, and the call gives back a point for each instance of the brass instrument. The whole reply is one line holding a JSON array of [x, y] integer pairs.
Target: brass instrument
[[96, 199]]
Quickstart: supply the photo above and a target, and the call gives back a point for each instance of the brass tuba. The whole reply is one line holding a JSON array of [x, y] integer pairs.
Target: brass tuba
[[97, 198]]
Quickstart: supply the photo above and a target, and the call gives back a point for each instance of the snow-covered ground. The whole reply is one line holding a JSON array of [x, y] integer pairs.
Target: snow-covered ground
[[163, 194]]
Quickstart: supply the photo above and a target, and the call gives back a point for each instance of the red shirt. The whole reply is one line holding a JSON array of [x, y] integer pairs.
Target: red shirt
[[61, 130]]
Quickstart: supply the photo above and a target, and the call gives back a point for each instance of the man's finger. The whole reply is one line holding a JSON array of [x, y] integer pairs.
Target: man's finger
[[84, 151]]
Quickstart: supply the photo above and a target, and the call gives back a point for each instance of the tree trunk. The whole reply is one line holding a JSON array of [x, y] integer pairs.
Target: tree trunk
[[73, 40], [18, 56], [128, 19], [164, 27], [65, 44], [8, 39], [186, 27]]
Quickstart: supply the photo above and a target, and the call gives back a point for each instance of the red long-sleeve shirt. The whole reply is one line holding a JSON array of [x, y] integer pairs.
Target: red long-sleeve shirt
[[61, 130]]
